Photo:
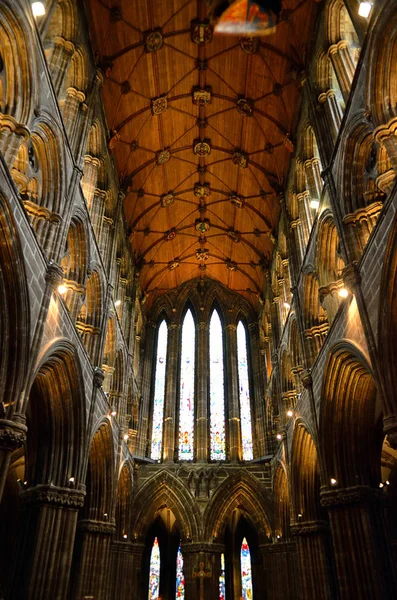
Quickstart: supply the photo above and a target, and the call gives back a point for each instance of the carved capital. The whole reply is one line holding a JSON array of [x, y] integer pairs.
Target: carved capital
[[309, 528], [53, 496], [54, 275], [351, 277], [99, 376], [12, 435], [359, 494], [91, 526]]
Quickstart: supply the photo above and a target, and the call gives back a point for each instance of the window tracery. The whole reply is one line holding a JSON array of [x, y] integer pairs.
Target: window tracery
[[159, 392], [244, 393], [180, 578], [154, 572], [246, 574], [186, 398], [217, 398]]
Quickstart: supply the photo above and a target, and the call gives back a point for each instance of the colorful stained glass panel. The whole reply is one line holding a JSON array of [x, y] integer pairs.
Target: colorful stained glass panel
[[222, 590], [159, 393], [154, 572], [246, 573], [186, 408], [180, 579], [245, 402], [217, 395]]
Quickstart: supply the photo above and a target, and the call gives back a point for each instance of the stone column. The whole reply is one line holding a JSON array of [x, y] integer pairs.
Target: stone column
[[90, 178], [97, 211], [305, 218], [233, 403], [12, 436], [12, 135], [45, 546], [201, 569], [202, 442], [280, 573], [313, 177], [333, 111], [363, 558], [70, 110], [385, 135], [60, 58], [314, 552], [344, 66], [125, 558], [170, 444], [94, 558]]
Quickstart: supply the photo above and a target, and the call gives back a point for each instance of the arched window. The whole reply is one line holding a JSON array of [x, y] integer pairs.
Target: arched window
[[244, 393], [222, 590], [246, 574], [154, 572], [180, 579], [217, 395], [186, 397], [159, 393]]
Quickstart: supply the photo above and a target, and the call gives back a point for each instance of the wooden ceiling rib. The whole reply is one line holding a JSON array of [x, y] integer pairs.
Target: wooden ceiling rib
[[201, 131]]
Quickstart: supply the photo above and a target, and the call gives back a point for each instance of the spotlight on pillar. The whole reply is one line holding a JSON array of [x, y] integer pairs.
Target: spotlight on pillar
[[279, 436], [314, 204], [117, 303], [125, 536], [125, 438], [114, 412], [343, 293], [287, 305], [381, 485], [364, 9], [300, 516], [333, 481], [62, 289], [290, 413], [38, 9], [278, 537], [105, 515], [71, 482], [387, 482]]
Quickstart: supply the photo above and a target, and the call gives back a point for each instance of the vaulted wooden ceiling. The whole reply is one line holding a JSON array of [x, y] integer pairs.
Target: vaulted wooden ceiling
[[202, 131]]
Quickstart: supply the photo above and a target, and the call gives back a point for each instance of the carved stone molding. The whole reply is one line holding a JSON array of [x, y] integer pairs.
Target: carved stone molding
[[12, 435], [91, 526], [309, 528], [306, 378], [351, 277], [202, 547], [277, 548], [352, 495], [55, 496], [54, 274]]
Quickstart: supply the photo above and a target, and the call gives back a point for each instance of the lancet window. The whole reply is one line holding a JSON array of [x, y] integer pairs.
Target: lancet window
[[159, 392], [217, 394], [244, 392], [246, 573], [154, 571], [222, 580], [186, 398], [180, 579]]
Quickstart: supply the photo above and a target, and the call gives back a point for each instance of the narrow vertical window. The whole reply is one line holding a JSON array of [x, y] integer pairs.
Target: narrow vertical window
[[180, 579], [159, 393], [246, 575], [244, 392], [154, 572], [217, 396], [222, 590], [186, 408]]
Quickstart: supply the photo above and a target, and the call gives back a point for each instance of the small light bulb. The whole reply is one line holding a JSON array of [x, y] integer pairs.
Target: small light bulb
[[300, 515], [279, 537], [364, 9], [38, 9], [117, 303], [333, 481], [343, 293], [287, 305], [114, 412], [71, 479], [126, 437], [387, 482], [381, 485], [125, 536], [290, 413], [279, 436], [105, 515], [314, 204], [62, 289]]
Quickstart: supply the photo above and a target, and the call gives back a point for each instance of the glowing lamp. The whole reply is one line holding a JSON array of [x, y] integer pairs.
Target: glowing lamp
[[279, 437], [117, 303], [333, 481], [245, 17], [62, 289], [314, 204], [287, 305], [38, 9], [290, 413], [114, 412], [364, 9], [343, 293], [126, 437]]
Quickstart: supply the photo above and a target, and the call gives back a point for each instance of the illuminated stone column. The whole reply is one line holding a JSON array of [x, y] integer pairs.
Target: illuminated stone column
[[314, 548], [170, 438], [280, 573], [125, 559], [344, 66], [12, 135], [60, 59], [202, 442], [97, 211], [232, 390], [70, 110], [364, 565], [46, 541], [201, 569], [332, 110]]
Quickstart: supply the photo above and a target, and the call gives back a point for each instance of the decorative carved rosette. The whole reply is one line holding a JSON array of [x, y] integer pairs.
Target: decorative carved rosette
[[158, 105], [202, 148], [12, 435], [201, 32], [236, 200], [202, 190], [153, 40], [167, 199], [245, 107], [240, 159], [249, 45], [202, 254], [163, 156], [202, 226], [202, 96]]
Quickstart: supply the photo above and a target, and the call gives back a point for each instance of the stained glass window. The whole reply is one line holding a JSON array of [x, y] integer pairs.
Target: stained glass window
[[222, 591], [159, 392], [217, 397], [245, 403], [186, 408], [154, 572], [246, 574], [180, 579]]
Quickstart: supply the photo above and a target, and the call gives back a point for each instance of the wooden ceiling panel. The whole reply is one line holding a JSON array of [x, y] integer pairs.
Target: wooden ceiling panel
[[202, 132]]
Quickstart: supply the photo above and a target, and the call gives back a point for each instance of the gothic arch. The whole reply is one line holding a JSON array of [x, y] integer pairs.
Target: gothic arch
[[350, 428], [241, 490], [14, 312], [305, 474], [165, 490], [100, 473], [282, 508], [123, 502], [55, 411]]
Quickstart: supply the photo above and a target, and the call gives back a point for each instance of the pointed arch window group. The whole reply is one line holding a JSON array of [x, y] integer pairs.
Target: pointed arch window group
[[217, 398]]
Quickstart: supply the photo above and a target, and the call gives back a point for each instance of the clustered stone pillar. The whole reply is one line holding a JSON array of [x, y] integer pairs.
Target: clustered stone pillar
[[45, 547], [362, 552], [60, 59], [169, 442], [92, 578], [313, 544], [202, 393], [234, 432], [126, 559], [12, 436], [12, 135], [280, 573], [333, 111], [202, 568]]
